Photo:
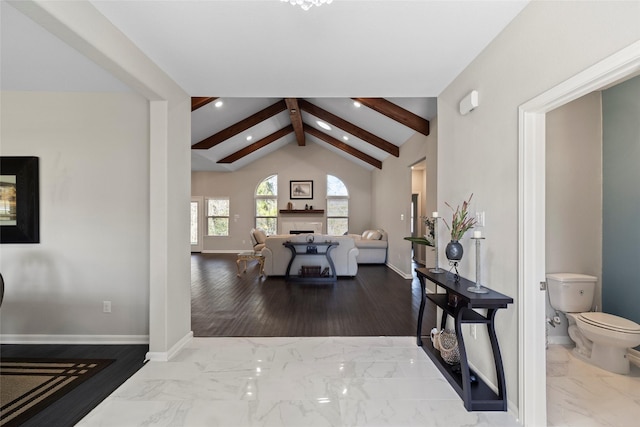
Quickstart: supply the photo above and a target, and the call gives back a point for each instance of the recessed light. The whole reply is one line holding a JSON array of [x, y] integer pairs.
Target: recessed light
[[356, 104], [249, 137], [323, 125], [345, 137], [218, 104]]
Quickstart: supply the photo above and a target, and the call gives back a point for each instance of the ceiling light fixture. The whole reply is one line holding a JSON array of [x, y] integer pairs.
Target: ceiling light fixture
[[249, 138], [307, 4], [323, 125], [345, 137], [356, 104], [218, 104]]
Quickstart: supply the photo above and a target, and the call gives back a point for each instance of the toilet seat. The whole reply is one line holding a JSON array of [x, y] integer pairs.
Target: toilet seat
[[610, 322]]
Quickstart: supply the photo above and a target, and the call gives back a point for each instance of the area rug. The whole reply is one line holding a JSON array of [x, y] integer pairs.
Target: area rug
[[29, 385]]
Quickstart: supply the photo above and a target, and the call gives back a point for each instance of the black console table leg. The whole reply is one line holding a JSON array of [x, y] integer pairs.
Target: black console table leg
[[497, 357], [423, 300]]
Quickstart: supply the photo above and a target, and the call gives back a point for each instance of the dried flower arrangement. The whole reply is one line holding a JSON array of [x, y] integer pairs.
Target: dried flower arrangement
[[461, 222]]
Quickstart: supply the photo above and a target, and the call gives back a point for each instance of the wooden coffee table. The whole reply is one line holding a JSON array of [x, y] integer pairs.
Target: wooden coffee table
[[250, 256]]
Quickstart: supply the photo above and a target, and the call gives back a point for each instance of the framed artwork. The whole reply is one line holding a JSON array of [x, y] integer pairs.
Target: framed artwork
[[301, 189], [19, 200]]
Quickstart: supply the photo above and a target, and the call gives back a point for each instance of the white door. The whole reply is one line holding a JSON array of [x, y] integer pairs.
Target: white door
[[197, 204]]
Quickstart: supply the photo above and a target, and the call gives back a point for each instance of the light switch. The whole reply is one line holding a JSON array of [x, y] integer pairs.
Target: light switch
[[401, 217]]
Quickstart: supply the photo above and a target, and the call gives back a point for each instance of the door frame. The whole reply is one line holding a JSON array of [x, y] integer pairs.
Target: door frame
[[200, 201], [532, 399]]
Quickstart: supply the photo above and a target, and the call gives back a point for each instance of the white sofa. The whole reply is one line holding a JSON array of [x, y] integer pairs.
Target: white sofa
[[372, 246], [277, 256]]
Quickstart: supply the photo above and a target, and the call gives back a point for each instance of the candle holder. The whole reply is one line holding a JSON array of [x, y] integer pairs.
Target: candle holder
[[437, 268], [478, 289]]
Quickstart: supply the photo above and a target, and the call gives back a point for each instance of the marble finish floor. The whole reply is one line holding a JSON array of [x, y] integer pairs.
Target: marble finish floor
[[582, 395], [301, 382]]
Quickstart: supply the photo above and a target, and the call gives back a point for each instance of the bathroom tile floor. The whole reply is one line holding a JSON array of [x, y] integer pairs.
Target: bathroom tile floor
[[322, 381], [582, 395]]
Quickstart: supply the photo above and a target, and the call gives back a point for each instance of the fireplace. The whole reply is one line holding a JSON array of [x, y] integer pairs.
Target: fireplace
[[300, 227]]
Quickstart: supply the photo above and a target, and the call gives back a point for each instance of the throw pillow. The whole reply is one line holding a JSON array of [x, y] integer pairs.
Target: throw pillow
[[375, 235], [260, 236]]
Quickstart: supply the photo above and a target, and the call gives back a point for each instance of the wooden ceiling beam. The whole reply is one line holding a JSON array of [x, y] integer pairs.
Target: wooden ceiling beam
[[354, 130], [296, 119], [342, 146], [200, 101], [241, 126], [258, 145], [396, 113]]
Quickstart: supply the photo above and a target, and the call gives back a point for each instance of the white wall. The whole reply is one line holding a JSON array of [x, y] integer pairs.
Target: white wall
[[94, 216], [574, 193], [310, 162], [478, 153], [392, 195]]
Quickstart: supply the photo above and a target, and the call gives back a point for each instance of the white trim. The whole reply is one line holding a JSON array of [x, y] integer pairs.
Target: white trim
[[168, 355], [559, 340], [73, 339], [400, 273], [225, 251], [634, 356], [531, 217]]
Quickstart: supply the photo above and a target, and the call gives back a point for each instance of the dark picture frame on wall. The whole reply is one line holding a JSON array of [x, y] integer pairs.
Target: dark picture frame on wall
[[19, 200], [301, 190]]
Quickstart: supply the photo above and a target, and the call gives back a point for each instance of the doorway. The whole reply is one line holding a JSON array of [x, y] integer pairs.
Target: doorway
[[531, 211], [196, 229]]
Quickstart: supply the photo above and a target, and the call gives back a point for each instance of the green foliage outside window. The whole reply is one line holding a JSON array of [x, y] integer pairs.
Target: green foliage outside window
[[267, 205], [218, 217]]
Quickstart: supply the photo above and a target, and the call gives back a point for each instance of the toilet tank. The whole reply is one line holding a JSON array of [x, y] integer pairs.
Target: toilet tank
[[571, 292]]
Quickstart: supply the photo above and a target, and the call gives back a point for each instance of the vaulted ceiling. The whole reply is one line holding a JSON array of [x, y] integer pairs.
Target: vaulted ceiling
[[254, 54], [374, 129]]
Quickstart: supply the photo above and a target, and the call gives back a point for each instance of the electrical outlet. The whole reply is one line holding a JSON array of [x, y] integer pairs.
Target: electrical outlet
[[473, 331], [106, 306], [480, 219]]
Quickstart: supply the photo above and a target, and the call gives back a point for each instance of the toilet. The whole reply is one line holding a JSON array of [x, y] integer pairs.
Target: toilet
[[601, 339]]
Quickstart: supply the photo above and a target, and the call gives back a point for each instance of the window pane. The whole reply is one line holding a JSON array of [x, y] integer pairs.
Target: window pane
[[266, 207], [218, 207], [335, 187], [337, 207], [194, 223], [218, 226], [269, 225], [268, 187], [337, 226]]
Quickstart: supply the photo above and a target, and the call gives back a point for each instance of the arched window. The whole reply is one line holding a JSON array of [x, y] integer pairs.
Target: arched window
[[337, 206], [266, 198]]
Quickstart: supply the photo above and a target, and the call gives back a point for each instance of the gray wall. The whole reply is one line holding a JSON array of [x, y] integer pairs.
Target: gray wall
[[574, 194], [311, 162], [621, 176], [478, 153], [94, 218]]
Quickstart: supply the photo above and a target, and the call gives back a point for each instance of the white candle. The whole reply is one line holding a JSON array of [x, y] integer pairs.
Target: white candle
[[477, 234], [434, 214]]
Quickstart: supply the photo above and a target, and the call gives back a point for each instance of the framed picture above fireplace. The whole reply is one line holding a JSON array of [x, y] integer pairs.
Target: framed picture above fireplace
[[301, 189]]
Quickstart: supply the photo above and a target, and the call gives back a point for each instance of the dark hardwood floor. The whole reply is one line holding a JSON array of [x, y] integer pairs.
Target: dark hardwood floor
[[70, 409], [376, 302]]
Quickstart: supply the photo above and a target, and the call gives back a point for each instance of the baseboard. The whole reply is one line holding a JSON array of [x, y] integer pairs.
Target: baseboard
[[634, 356], [74, 339], [165, 356], [559, 339], [400, 273], [224, 251]]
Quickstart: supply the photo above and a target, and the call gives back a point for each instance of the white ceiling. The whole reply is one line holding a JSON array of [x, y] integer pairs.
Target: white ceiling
[[252, 53]]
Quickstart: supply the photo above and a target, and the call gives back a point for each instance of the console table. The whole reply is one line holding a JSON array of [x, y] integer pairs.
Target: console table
[[311, 249], [459, 303]]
